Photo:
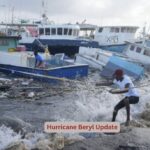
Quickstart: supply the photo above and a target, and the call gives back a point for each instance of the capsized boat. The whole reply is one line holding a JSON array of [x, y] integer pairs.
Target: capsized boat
[[108, 62]]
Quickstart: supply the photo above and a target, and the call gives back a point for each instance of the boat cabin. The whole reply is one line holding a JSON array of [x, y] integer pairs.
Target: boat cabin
[[8, 43], [140, 52], [112, 35], [59, 31]]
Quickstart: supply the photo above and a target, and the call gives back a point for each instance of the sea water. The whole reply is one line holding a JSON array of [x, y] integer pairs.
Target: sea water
[[85, 102]]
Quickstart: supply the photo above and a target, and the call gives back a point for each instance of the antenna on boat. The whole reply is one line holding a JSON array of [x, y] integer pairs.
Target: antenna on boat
[[43, 7], [12, 17], [44, 11], [83, 22], [144, 30]]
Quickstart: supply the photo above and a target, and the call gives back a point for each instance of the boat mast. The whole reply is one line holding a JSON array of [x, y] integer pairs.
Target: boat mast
[[12, 16], [44, 11]]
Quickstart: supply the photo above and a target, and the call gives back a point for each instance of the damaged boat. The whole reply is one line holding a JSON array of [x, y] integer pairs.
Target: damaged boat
[[108, 62], [22, 63]]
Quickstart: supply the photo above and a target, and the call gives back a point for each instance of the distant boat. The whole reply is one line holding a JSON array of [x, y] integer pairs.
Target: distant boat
[[139, 52], [68, 38], [59, 38], [113, 38]]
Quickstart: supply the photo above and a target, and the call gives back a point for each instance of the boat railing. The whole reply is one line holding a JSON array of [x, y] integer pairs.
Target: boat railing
[[50, 62]]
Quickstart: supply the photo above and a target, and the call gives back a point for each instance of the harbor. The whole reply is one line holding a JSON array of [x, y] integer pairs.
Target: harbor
[[74, 83], [67, 102]]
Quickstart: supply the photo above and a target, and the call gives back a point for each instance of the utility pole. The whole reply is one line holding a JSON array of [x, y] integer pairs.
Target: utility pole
[[3, 14]]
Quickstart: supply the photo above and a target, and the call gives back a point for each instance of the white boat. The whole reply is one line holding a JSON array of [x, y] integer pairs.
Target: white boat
[[95, 58], [139, 52], [107, 62], [113, 37]]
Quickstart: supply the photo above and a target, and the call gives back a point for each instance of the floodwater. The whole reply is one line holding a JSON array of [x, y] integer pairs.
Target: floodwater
[[71, 102]]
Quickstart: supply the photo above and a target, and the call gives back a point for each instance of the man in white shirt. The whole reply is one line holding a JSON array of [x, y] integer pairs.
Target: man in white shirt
[[131, 95]]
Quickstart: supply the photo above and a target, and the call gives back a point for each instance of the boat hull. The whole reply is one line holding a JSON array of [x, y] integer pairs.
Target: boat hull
[[90, 61], [47, 75], [55, 46], [114, 48]]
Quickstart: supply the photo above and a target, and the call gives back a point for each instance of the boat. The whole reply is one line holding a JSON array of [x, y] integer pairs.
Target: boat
[[22, 64], [59, 38], [107, 62], [139, 52], [68, 38], [113, 38], [95, 58]]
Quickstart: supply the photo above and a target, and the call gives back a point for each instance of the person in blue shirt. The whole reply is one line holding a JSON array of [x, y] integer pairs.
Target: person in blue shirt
[[39, 62]]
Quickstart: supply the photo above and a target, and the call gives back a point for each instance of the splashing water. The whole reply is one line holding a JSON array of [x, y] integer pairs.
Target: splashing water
[[7, 136], [96, 103], [86, 102]]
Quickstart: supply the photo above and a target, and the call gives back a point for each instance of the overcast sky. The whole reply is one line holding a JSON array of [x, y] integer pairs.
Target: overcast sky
[[99, 12]]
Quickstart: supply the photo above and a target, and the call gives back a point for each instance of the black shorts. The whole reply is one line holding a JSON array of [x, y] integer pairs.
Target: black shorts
[[132, 100]]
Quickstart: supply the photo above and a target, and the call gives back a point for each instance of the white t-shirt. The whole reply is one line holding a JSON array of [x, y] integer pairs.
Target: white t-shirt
[[121, 84]]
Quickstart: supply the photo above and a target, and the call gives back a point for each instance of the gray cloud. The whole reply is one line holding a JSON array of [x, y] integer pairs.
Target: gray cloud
[[94, 11]]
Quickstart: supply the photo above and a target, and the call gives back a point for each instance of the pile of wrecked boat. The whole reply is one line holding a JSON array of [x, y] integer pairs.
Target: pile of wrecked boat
[[15, 60]]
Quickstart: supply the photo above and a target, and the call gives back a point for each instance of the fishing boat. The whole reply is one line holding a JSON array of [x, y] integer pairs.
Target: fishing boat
[[68, 38], [139, 52], [22, 63], [59, 38], [107, 62], [113, 38]]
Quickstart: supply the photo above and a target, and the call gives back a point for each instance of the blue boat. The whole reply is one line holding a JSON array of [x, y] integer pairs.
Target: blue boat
[[114, 48], [59, 38], [67, 46], [115, 62], [18, 64], [108, 62]]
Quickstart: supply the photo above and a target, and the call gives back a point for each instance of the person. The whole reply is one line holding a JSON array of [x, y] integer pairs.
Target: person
[[127, 87], [39, 62], [47, 53], [131, 95]]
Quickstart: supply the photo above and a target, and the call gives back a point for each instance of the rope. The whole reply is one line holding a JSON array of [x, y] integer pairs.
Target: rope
[[118, 90], [49, 77]]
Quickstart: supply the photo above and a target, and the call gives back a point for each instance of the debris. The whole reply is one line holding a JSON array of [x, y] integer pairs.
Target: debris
[[146, 115], [4, 87], [16, 146], [4, 95], [44, 145], [4, 79], [121, 147], [25, 83], [31, 94]]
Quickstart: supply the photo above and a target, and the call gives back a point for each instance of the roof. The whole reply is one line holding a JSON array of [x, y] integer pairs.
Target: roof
[[87, 27], [117, 26], [18, 24], [10, 37], [71, 26]]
